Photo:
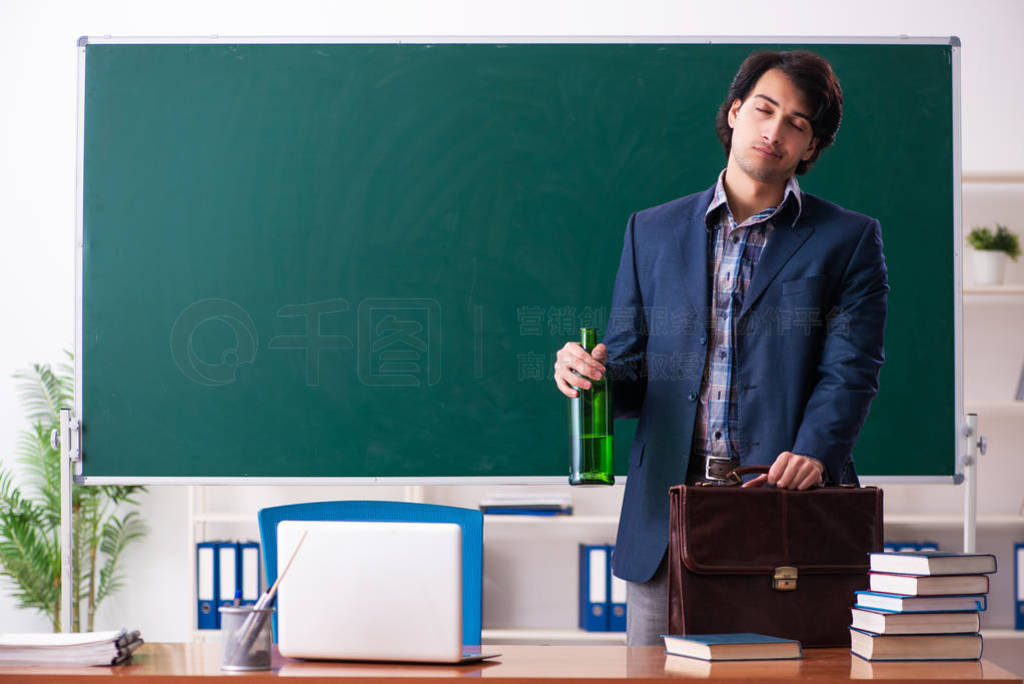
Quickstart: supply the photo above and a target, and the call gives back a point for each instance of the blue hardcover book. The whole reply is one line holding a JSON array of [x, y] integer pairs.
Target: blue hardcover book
[[616, 598], [227, 572], [1018, 558], [898, 603], [207, 616], [737, 646], [248, 579], [593, 587]]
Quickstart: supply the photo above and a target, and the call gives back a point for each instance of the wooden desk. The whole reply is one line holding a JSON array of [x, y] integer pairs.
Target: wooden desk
[[180, 663]]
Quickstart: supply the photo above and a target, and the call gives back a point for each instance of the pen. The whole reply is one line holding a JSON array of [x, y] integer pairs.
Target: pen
[[252, 624]]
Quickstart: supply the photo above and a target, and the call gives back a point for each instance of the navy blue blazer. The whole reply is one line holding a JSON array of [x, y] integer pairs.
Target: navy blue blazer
[[808, 349]]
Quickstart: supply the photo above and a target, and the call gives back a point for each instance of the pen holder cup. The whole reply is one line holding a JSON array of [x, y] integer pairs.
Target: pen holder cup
[[247, 637]]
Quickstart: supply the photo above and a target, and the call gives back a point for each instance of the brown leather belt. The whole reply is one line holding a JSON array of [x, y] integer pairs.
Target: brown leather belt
[[717, 469]]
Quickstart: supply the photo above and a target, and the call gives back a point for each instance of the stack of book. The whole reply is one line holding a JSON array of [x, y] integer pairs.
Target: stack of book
[[922, 606]]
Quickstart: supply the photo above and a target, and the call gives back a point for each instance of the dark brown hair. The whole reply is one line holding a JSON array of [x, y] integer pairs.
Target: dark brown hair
[[811, 75]]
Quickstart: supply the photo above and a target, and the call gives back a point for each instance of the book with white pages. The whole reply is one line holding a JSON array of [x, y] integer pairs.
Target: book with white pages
[[915, 646], [933, 563], [914, 623], [915, 585], [896, 603], [733, 646]]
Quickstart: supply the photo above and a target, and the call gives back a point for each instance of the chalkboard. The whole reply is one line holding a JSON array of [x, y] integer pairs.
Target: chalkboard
[[342, 260]]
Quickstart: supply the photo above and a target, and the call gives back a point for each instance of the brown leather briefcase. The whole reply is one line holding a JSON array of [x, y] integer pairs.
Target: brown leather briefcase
[[771, 561]]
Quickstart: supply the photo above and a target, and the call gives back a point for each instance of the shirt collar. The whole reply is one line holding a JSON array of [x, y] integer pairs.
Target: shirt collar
[[718, 199]]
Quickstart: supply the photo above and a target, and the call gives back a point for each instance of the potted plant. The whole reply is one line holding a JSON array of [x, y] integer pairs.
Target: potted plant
[[988, 258], [104, 521]]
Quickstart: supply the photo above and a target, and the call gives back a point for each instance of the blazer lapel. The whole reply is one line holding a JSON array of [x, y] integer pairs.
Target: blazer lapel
[[783, 242], [692, 238]]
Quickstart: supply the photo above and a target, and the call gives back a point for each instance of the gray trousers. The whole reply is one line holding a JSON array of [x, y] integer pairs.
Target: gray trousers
[[647, 609]]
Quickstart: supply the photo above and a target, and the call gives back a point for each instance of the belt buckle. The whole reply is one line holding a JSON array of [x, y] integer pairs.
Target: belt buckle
[[707, 468]]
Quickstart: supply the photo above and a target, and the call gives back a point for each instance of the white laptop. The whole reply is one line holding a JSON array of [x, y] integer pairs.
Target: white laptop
[[372, 591]]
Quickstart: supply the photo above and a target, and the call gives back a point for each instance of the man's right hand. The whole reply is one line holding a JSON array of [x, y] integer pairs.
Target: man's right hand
[[571, 358]]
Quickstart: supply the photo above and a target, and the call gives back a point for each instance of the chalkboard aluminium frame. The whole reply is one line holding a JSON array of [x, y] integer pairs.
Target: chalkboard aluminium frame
[[80, 473]]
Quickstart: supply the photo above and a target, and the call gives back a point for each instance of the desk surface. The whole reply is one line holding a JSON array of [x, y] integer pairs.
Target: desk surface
[[177, 663]]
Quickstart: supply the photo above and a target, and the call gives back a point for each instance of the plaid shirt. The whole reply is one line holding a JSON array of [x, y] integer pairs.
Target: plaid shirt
[[733, 253]]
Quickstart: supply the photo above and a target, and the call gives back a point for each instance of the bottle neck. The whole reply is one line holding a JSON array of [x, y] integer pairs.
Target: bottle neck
[[588, 339]]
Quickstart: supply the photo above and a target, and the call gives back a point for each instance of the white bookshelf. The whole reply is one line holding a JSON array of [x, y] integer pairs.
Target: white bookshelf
[[1002, 633], [224, 518], [550, 636], [999, 290], [568, 527], [994, 295], [578, 525], [1005, 408], [989, 177], [926, 520]]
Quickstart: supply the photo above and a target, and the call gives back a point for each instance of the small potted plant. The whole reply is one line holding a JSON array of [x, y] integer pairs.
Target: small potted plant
[[988, 258]]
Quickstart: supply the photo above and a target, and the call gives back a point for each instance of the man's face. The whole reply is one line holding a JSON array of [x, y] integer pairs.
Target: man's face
[[771, 130]]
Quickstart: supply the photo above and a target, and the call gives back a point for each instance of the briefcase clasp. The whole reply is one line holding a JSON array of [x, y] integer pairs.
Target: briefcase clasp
[[784, 578]]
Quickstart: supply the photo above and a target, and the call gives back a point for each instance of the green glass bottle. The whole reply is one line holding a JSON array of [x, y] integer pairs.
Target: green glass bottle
[[590, 428]]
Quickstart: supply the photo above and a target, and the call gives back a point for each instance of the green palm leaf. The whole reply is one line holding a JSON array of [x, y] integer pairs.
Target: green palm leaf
[[117, 534], [43, 393], [29, 555], [42, 466]]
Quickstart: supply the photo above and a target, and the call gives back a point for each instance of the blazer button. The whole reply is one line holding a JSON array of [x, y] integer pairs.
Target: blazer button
[[693, 396], [703, 339]]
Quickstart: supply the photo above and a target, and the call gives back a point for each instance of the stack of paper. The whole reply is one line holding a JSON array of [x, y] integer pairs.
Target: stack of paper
[[73, 649]]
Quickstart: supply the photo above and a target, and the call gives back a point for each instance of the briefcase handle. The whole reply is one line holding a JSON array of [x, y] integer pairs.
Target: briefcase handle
[[735, 477]]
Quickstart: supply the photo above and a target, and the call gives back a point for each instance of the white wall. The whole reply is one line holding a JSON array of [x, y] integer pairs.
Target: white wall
[[37, 154]]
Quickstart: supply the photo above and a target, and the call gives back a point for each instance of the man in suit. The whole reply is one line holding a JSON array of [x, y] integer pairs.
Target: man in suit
[[747, 322]]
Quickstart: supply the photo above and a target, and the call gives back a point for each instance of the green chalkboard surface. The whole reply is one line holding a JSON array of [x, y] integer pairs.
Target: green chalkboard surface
[[358, 260]]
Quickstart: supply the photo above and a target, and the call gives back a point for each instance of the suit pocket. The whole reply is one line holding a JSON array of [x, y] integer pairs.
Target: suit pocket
[[636, 454], [802, 284]]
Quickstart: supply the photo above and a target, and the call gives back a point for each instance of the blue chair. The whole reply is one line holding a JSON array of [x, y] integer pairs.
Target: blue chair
[[471, 522]]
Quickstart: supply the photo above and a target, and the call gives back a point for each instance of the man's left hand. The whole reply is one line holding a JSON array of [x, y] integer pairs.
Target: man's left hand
[[791, 471]]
